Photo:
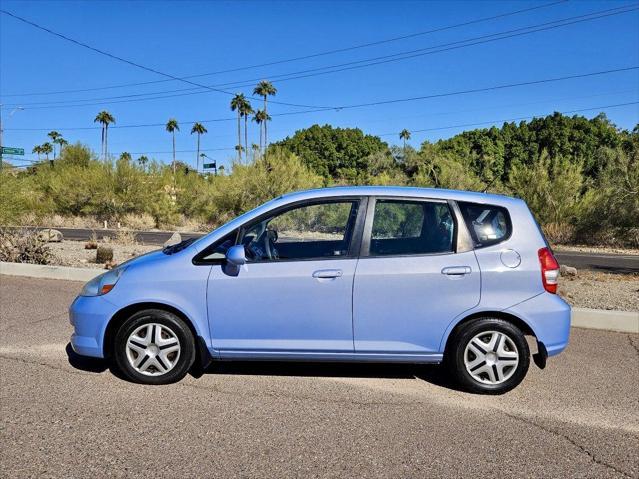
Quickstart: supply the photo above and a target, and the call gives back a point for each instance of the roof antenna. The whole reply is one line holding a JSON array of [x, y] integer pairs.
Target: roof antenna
[[485, 190]]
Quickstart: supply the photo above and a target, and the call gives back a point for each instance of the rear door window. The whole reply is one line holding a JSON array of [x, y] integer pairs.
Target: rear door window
[[488, 224], [403, 227]]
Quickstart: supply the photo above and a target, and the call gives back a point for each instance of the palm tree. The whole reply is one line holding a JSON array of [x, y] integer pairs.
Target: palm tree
[[104, 118], [237, 104], [46, 149], [246, 110], [404, 135], [54, 135], [200, 130], [256, 149], [38, 150], [143, 160], [62, 142], [265, 119], [259, 118], [265, 89], [171, 127]]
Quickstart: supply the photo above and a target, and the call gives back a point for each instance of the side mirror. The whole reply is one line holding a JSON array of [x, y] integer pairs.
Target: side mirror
[[235, 255]]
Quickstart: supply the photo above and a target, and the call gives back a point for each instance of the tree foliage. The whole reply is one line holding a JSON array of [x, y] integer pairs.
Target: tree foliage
[[334, 152]]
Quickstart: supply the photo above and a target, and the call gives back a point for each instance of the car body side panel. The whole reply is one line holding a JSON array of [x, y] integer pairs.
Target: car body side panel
[[281, 306], [173, 281], [503, 285], [403, 304]]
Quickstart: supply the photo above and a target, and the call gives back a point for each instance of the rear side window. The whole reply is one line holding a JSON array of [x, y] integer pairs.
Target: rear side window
[[411, 227], [488, 224]]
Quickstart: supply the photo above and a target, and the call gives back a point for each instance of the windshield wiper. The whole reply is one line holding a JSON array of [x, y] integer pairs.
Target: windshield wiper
[[174, 248]]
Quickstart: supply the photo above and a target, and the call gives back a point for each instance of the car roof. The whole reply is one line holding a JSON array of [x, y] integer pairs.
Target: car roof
[[401, 191]]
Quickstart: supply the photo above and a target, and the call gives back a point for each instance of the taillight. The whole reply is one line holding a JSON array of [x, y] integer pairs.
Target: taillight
[[549, 270]]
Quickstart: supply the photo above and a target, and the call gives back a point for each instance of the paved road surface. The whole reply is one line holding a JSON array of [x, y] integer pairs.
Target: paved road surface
[[611, 263], [578, 418]]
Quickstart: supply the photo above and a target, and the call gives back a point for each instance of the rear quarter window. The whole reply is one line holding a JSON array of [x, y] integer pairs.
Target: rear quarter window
[[488, 224]]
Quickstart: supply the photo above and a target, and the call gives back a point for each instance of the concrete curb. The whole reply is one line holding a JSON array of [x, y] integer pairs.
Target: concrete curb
[[621, 321], [66, 273]]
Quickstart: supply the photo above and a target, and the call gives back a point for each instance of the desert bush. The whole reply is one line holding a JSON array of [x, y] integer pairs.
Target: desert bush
[[559, 233], [124, 238], [104, 254], [138, 221], [613, 204], [579, 176], [24, 247], [552, 188]]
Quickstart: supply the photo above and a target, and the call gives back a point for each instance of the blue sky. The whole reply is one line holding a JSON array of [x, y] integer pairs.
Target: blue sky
[[190, 38]]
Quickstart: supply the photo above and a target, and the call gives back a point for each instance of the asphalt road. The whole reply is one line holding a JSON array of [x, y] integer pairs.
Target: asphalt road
[[611, 263], [65, 417]]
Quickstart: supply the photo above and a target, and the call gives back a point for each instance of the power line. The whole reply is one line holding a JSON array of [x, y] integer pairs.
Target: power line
[[508, 120], [349, 65], [135, 64], [306, 57], [376, 103], [477, 90]]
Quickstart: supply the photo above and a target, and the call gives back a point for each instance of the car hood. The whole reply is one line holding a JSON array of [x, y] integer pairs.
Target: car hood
[[150, 257]]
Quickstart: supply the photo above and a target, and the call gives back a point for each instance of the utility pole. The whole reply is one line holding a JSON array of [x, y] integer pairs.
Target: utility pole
[[1, 130]]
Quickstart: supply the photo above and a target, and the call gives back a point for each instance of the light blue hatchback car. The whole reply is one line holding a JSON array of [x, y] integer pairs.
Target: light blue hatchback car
[[384, 274]]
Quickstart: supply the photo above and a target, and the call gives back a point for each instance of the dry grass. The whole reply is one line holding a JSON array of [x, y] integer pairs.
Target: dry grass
[[124, 238], [141, 222]]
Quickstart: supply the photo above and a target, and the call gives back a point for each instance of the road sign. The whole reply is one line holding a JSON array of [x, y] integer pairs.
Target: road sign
[[209, 165], [7, 150]]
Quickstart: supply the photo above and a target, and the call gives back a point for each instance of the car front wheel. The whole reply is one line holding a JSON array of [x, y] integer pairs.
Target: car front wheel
[[154, 347], [489, 356]]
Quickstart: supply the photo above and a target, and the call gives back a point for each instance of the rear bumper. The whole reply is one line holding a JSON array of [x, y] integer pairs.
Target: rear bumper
[[549, 317], [89, 317]]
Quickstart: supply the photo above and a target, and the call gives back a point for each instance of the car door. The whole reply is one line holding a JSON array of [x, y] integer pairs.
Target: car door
[[294, 294], [417, 273]]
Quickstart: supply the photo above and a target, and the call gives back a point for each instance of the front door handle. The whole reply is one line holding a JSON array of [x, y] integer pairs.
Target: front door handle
[[327, 273], [456, 270]]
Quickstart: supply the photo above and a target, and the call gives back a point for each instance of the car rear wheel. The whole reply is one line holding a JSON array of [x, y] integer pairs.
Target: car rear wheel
[[154, 347], [489, 356]]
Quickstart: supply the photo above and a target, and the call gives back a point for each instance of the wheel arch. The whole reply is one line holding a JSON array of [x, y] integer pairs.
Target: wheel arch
[[511, 318], [118, 319]]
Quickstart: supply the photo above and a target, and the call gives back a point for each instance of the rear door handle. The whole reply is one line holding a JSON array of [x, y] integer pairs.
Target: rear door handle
[[327, 273], [456, 270]]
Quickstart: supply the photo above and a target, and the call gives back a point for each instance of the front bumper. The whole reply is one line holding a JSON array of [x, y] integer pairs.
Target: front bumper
[[89, 316]]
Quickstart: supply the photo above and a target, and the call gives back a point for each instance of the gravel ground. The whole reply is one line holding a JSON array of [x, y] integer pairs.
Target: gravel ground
[[601, 290], [595, 249], [72, 253]]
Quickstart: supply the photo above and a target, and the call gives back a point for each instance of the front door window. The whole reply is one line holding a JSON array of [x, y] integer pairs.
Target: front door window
[[311, 231]]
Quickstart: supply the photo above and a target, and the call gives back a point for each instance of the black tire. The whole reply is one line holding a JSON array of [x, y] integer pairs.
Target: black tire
[[181, 331], [457, 349]]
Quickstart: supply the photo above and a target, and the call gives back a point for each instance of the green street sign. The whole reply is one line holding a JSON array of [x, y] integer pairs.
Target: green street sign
[[7, 150], [209, 165]]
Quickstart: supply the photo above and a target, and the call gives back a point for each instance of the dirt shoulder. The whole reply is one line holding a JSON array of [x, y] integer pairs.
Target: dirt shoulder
[[73, 253], [601, 290], [595, 249]]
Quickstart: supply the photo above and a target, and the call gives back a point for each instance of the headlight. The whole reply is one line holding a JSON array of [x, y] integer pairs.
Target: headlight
[[102, 284]]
